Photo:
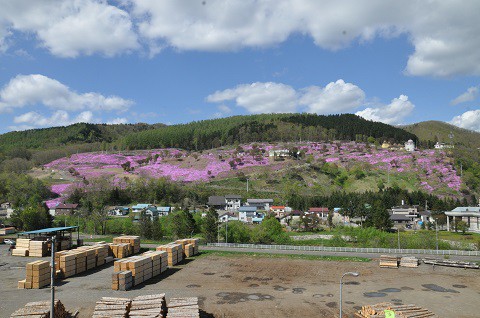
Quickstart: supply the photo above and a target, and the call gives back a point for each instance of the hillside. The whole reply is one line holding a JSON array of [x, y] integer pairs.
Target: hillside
[[443, 132], [306, 168]]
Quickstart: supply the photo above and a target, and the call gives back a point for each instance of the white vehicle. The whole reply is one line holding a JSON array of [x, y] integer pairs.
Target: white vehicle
[[9, 241]]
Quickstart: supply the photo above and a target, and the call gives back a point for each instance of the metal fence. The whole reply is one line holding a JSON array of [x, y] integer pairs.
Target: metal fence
[[346, 249]]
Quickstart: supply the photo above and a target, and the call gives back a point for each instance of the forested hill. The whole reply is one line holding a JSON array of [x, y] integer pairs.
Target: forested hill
[[265, 127], [66, 135]]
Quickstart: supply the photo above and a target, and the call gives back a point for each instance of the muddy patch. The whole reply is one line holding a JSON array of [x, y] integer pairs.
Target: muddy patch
[[208, 274], [351, 283], [459, 286], [262, 280], [374, 294], [390, 290], [193, 286], [253, 285], [332, 304], [226, 276], [234, 298], [350, 302], [440, 289], [279, 288], [406, 288], [298, 290]]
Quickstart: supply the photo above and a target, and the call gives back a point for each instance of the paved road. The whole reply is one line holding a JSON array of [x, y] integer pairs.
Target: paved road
[[320, 253]]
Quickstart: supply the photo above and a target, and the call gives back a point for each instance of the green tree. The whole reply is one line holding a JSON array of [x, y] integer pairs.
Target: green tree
[[380, 218], [462, 226], [210, 226], [183, 224]]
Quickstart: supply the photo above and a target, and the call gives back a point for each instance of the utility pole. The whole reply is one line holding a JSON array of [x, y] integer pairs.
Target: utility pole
[[226, 232], [247, 185], [52, 279]]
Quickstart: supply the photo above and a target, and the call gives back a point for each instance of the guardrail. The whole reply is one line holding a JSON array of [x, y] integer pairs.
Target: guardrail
[[347, 249]]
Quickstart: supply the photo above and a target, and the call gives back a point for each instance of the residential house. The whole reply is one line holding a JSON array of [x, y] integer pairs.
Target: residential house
[[6, 209], [227, 217], [65, 209], [233, 202], [404, 214], [164, 210], [249, 214], [217, 202], [140, 207], [278, 210], [320, 212], [292, 216], [468, 214], [261, 204], [119, 211]]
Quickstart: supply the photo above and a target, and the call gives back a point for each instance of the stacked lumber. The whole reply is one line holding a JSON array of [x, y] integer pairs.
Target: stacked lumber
[[149, 306], [189, 250], [451, 263], [20, 251], [190, 241], [41, 309], [120, 250], [133, 241], [37, 248], [159, 261], [21, 247], [183, 307], [122, 280], [37, 275], [173, 250], [409, 261], [402, 311], [67, 264], [388, 261], [80, 261], [110, 307]]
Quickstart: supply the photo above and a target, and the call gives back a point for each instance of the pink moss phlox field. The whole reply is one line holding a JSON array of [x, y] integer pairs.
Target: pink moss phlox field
[[432, 169]]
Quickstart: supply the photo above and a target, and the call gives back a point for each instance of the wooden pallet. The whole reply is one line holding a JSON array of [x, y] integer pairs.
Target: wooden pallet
[[111, 307], [185, 307], [401, 311], [409, 261], [41, 309], [149, 306], [388, 261]]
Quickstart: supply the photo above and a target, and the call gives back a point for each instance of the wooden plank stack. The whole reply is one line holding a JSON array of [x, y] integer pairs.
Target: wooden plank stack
[[401, 311], [183, 307], [120, 250], [190, 246], [451, 263], [159, 261], [409, 261], [22, 247], [37, 248], [173, 251], [41, 309], [122, 280], [133, 241], [37, 275], [388, 261], [80, 259], [110, 307], [67, 264], [148, 306]]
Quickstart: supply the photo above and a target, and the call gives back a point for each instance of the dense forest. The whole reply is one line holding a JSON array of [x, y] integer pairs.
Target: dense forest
[[265, 127]]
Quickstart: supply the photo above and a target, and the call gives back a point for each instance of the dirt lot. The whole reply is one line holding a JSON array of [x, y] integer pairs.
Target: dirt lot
[[261, 287]]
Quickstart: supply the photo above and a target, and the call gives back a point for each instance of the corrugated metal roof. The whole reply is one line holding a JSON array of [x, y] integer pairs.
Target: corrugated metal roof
[[49, 230], [247, 209]]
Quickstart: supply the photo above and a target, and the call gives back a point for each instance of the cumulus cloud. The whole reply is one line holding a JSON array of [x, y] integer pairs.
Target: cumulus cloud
[[468, 120], [31, 90], [72, 27], [336, 97], [58, 118], [468, 96], [259, 97], [392, 113], [443, 33]]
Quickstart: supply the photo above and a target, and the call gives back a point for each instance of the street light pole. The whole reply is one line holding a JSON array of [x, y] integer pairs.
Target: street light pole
[[398, 232], [355, 274], [52, 280], [436, 234]]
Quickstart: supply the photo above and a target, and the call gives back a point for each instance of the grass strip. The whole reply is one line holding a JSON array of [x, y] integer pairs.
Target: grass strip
[[291, 256]]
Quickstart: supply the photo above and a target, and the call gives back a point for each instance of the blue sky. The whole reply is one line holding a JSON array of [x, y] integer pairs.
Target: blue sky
[[176, 61]]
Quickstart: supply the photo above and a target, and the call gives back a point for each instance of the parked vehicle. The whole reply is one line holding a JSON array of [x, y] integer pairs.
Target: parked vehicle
[[9, 241]]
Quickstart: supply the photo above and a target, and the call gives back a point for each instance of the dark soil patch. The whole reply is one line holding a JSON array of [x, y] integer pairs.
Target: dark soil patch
[[440, 289], [234, 298], [332, 304]]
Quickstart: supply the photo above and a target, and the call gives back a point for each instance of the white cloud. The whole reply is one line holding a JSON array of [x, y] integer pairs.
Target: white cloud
[[336, 97], [31, 90], [71, 28], [468, 96], [468, 120], [259, 97], [117, 121], [443, 33], [58, 118], [392, 113]]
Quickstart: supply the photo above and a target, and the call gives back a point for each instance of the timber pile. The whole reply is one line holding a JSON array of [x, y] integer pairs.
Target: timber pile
[[38, 275], [183, 308], [159, 261], [133, 241], [122, 280], [37, 248], [450, 263], [173, 251], [110, 307], [401, 311], [80, 259], [388, 261], [120, 250], [193, 249], [149, 306], [21, 247], [41, 309], [409, 261]]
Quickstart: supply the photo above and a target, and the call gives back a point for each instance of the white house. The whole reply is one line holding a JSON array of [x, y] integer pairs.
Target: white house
[[227, 217], [262, 204], [233, 202], [469, 214]]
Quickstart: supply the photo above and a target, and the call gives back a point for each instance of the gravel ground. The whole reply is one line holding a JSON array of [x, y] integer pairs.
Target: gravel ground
[[248, 286]]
